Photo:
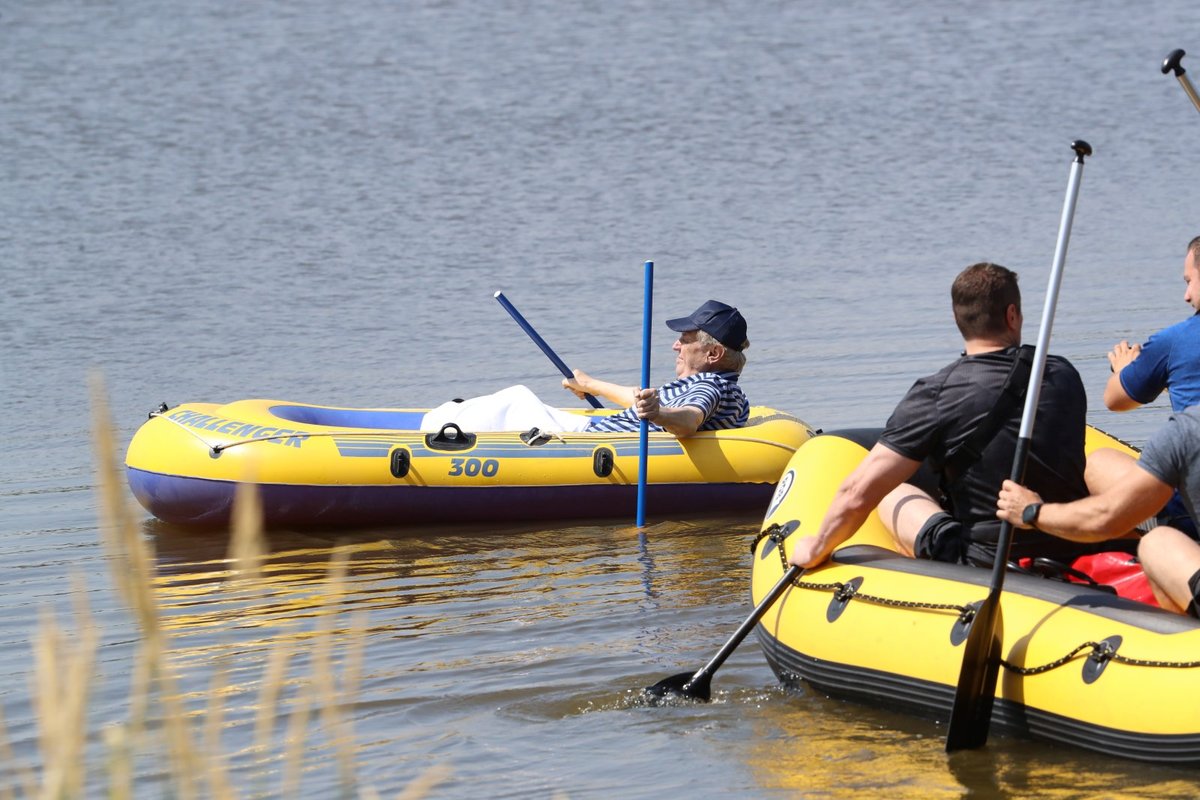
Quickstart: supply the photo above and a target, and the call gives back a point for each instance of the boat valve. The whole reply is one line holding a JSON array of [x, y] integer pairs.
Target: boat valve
[[603, 462]]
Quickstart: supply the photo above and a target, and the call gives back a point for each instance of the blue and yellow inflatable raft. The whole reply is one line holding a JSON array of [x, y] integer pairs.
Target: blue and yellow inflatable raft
[[343, 467], [1081, 666]]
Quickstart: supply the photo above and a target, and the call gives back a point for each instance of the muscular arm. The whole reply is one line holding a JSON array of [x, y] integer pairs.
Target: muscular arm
[[1115, 396], [881, 471], [1132, 498]]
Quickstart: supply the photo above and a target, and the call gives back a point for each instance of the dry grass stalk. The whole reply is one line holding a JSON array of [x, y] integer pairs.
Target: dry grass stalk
[[218, 778], [63, 684], [132, 559], [21, 773], [247, 546], [294, 742], [120, 762], [335, 721], [424, 783], [64, 673], [269, 692]]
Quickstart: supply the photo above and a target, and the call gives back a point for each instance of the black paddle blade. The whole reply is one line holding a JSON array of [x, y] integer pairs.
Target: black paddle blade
[[679, 687], [972, 713]]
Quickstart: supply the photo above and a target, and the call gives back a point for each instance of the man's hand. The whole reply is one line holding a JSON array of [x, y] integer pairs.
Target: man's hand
[[1012, 501], [807, 552], [1123, 354], [647, 404]]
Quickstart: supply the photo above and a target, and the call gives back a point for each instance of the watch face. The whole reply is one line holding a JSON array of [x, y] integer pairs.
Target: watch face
[[1030, 514]]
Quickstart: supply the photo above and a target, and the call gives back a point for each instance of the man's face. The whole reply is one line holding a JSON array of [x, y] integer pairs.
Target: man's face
[[1191, 276], [691, 356]]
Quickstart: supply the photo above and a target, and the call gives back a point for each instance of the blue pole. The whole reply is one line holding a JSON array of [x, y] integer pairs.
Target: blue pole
[[540, 342], [644, 427]]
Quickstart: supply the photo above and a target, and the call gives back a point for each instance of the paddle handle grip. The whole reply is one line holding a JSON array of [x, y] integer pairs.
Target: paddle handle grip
[[540, 342], [1171, 64]]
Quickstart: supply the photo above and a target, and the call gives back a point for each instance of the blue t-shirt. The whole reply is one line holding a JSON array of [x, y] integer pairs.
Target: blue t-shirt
[[1169, 360], [716, 394]]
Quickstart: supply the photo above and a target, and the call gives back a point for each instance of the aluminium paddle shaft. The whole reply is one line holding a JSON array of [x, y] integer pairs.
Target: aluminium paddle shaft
[[975, 694], [1171, 64]]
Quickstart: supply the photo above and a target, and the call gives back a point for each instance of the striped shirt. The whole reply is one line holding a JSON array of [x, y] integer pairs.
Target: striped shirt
[[716, 394]]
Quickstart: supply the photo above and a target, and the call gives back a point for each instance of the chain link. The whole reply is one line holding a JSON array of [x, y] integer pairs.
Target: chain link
[[1100, 651]]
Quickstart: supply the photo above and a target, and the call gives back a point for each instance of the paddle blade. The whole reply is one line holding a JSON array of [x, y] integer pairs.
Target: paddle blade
[[680, 687], [970, 719]]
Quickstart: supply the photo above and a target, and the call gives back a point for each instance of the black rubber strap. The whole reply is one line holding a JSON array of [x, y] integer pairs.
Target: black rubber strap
[[1012, 396]]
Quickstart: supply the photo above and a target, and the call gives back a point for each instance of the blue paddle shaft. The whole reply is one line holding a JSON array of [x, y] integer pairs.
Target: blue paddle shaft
[[540, 342], [644, 426]]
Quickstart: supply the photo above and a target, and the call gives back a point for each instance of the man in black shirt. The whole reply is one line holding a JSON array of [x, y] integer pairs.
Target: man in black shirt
[[964, 420]]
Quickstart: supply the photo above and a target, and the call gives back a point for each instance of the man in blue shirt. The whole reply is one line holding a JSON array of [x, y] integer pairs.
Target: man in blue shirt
[[704, 396], [1170, 360]]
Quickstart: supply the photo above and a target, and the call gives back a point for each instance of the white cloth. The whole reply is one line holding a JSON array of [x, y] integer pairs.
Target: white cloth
[[513, 409]]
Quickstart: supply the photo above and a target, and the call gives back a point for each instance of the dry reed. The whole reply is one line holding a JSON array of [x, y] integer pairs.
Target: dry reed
[[196, 765]]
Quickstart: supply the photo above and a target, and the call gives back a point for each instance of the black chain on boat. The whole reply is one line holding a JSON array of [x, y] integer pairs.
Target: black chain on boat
[[1100, 651], [843, 591]]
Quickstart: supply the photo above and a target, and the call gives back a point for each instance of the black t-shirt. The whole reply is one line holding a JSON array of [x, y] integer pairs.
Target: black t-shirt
[[940, 412]]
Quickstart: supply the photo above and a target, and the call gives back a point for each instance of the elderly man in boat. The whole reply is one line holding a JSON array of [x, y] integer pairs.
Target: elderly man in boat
[[709, 358], [964, 421]]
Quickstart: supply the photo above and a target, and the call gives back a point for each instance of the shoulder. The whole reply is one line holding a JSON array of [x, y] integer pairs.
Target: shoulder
[[1175, 442], [1061, 366], [1186, 327], [725, 381]]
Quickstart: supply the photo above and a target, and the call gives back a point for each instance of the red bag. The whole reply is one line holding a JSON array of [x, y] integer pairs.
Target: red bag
[[1119, 570]]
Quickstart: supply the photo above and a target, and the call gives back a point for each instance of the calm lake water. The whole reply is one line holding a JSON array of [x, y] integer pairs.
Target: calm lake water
[[313, 201]]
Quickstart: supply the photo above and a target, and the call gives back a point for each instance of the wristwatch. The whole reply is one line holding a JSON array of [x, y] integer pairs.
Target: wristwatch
[[1030, 514]]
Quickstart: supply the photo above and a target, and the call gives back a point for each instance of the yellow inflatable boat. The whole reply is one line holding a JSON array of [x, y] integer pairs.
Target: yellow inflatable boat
[[341, 467], [1080, 665]]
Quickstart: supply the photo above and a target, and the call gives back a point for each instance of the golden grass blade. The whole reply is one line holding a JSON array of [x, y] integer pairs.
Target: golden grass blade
[[424, 783], [294, 742], [214, 718], [268, 695]]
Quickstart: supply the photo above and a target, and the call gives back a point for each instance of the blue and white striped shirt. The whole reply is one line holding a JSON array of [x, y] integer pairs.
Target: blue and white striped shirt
[[716, 394]]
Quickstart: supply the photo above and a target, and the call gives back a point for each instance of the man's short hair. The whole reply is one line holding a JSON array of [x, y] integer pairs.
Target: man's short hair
[[732, 361], [981, 295], [1194, 248]]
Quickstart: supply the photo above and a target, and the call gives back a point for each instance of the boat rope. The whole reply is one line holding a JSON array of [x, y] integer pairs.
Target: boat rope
[[218, 448], [752, 440], [189, 431], [1101, 652], [777, 533]]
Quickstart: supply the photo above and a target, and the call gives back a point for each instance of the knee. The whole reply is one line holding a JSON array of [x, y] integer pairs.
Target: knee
[[1162, 543]]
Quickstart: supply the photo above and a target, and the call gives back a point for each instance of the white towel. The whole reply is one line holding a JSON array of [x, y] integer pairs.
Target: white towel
[[513, 409]]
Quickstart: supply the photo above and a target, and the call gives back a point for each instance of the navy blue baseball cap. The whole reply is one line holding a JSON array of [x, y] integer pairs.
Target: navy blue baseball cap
[[724, 323]]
